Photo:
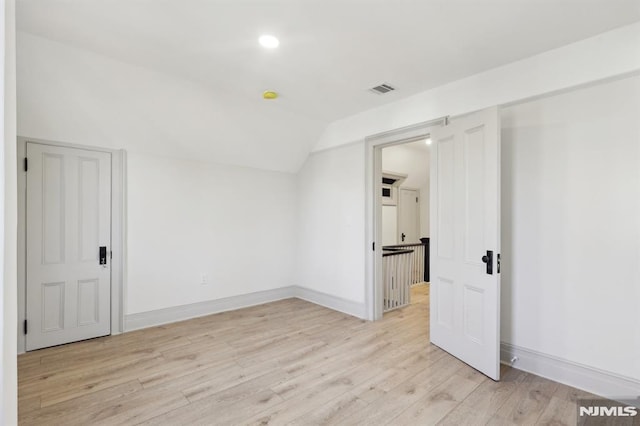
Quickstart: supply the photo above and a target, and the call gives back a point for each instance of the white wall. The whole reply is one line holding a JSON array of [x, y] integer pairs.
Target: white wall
[[571, 226], [188, 218], [412, 161], [389, 225], [330, 257], [185, 216], [8, 188]]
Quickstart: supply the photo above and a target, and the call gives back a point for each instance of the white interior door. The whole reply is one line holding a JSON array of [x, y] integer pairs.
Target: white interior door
[[68, 277], [465, 224], [408, 217]]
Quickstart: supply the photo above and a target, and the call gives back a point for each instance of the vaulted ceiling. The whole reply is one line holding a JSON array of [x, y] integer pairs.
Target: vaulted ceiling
[[331, 51]]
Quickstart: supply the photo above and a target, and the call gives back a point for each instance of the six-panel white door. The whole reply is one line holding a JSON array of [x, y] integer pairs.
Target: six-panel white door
[[68, 291], [465, 190]]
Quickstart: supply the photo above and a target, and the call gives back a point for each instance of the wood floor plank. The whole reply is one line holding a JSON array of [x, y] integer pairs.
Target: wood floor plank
[[184, 376], [286, 362], [437, 403], [217, 410], [527, 403], [333, 412], [410, 391], [77, 410], [298, 399], [559, 412], [486, 400], [235, 389]]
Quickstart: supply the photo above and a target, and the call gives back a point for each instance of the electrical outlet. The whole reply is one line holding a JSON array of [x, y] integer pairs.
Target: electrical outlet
[[204, 279]]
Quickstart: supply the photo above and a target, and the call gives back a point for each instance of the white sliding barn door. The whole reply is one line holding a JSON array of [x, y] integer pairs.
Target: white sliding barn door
[[465, 283], [68, 277]]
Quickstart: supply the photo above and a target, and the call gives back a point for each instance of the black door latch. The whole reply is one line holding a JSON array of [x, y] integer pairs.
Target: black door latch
[[488, 259]]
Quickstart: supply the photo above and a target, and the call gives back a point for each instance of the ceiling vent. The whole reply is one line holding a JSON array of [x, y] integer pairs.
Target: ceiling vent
[[382, 89]]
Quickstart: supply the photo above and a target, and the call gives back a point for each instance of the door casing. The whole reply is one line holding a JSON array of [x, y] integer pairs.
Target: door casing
[[118, 235], [373, 206]]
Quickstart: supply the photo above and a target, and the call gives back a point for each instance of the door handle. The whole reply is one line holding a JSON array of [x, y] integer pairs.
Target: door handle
[[488, 259], [403, 237], [103, 255]]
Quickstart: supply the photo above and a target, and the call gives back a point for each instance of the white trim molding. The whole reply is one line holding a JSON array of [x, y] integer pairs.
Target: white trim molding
[[349, 307], [590, 379], [184, 312]]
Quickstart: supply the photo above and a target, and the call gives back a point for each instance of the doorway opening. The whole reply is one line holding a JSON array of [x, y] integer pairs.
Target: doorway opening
[[374, 146], [404, 200]]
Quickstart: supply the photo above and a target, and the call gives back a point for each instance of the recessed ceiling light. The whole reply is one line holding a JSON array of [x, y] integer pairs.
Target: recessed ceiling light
[[428, 141], [269, 41]]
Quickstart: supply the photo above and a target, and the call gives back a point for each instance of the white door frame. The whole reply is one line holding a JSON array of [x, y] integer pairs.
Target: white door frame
[[118, 233], [373, 206]]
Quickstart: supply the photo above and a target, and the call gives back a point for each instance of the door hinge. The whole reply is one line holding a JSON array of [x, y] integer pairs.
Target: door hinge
[[373, 247], [416, 199], [110, 254], [25, 327], [26, 164], [498, 262]]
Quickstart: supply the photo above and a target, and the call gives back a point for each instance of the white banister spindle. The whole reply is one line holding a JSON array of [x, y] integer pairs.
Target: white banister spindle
[[398, 276]]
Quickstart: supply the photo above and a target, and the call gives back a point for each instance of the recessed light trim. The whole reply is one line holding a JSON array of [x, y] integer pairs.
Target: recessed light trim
[[428, 141], [268, 41]]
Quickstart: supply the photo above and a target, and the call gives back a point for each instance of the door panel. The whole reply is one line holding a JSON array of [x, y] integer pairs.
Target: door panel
[[445, 198], [53, 306], [68, 219], [89, 208], [408, 217], [465, 187], [53, 192]]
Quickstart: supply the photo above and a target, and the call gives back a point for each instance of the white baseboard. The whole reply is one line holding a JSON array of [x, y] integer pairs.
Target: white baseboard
[[194, 310], [180, 313], [350, 307], [590, 379]]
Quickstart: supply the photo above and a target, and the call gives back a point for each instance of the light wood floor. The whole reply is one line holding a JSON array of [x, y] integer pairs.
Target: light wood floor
[[287, 362]]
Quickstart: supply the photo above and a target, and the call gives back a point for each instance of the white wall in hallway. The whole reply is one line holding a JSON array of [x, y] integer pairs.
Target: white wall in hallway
[[412, 160], [389, 225]]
